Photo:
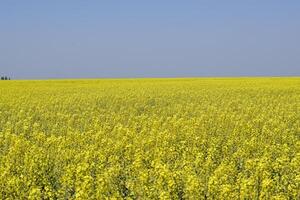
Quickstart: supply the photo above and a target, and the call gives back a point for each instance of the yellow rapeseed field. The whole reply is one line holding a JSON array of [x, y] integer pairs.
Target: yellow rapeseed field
[[189, 138]]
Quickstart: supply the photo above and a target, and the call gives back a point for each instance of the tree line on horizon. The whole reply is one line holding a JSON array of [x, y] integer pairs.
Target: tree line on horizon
[[4, 78]]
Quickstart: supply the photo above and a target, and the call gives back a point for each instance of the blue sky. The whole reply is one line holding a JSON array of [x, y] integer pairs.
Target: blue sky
[[90, 39]]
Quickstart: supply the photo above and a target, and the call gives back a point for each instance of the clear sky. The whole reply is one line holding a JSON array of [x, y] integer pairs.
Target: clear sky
[[157, 38]]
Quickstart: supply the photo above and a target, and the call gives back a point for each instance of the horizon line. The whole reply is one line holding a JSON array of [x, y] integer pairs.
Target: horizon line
[[153, 77]]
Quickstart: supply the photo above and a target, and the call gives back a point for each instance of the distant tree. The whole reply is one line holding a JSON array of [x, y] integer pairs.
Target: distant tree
[[4, 78]]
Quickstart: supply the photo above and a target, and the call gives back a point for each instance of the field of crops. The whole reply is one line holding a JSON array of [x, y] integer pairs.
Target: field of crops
[[209, 138]]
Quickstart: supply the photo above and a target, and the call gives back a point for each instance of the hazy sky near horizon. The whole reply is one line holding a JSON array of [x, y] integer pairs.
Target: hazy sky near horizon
[[170, 38]]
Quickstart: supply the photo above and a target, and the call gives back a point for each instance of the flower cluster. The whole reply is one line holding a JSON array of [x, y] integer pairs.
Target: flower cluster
[[191, 138]]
